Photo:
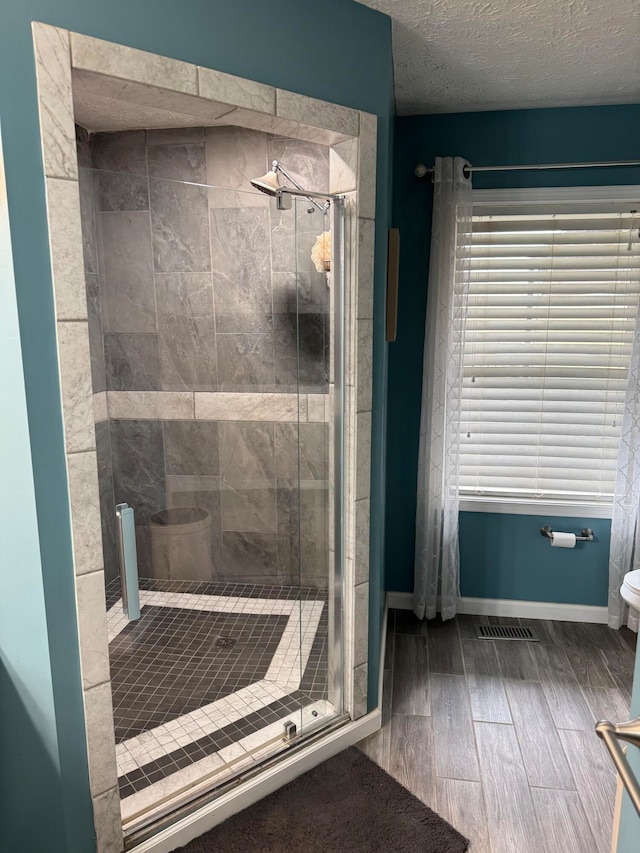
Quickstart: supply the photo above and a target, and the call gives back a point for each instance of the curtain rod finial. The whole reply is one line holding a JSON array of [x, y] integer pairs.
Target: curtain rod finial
[[420, 170]]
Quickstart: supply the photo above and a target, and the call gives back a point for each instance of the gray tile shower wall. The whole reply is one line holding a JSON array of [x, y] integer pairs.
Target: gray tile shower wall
[[264, 524], [192, 288], [214, 279], [107, 500]]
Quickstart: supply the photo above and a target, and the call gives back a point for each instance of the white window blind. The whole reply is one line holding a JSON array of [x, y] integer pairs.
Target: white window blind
[[552, 306]]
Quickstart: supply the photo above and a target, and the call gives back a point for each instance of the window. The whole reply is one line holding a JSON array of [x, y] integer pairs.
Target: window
[[552, 306]]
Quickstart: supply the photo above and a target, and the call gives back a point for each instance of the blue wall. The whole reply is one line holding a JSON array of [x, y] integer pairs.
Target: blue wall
[[351, 66], [28, 734], [504, 556], [495, 568]]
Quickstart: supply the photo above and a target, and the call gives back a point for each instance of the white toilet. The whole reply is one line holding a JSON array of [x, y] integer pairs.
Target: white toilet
[[630, 591]]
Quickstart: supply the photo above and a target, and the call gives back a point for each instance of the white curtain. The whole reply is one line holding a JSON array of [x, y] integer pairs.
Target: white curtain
[[624, 552], [437, 559]]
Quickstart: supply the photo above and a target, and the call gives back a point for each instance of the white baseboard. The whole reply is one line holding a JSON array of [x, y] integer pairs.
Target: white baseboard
[[400, 600], [266, 783], [512, 607]]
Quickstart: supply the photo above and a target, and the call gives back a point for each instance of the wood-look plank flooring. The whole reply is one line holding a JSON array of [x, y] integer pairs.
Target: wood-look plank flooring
[[498, 737]]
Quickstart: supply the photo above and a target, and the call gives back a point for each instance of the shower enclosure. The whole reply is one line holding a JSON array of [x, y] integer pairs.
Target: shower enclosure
[[215, 338], [197, 389]]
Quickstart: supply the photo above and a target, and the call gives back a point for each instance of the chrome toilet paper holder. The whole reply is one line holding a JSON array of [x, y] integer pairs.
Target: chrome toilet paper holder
[[586, 536]]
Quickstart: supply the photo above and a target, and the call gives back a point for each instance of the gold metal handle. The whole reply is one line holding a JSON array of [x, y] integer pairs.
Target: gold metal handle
[[611, 735]]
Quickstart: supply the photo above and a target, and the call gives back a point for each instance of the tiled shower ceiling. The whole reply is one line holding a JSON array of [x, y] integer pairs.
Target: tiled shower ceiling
[[512, 54]]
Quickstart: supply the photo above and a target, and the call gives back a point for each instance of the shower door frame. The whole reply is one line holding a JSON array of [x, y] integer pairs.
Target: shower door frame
[[212, 97]]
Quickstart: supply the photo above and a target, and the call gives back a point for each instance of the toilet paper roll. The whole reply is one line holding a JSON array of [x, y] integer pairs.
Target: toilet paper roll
[[563, 540]]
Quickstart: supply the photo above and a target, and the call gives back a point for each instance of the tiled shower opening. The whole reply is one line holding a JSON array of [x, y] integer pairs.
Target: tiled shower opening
[[60, 57], [204, 681], [196, 287]]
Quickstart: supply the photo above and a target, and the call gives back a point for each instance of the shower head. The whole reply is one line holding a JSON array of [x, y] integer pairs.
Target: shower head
[[269, 183]]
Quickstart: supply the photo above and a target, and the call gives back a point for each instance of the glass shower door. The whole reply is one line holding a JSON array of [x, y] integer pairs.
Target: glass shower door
[[215, 324], [318, 516]]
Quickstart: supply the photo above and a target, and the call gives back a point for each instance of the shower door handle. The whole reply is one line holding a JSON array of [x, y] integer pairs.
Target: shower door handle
[[128, 561], [611, 735]]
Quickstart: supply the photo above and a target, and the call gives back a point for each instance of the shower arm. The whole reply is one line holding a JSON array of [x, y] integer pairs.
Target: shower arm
[[311, 196]]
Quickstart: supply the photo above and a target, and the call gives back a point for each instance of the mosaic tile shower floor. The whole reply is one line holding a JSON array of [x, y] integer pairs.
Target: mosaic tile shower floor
[[206, 678]]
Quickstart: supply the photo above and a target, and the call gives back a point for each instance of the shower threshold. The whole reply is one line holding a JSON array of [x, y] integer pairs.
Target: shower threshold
[[204, 682]]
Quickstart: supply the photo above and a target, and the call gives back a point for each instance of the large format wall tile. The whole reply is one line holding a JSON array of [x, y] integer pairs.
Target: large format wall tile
[[301, 348], [83, 147], [55, 101], [92, 629], [344, 166], [191, 447], [367, 165], [284, 127], [82, 471], [186, 331], [241, 93], [302, 533], [132, 362], [128, 63], [180, 227], [301, 449], [214, 330], [108, 821], [235, 155], [126, 272], [252, 407], [123, 151], [250, 557], [96, 344], [178, 161], [248, 510], [150, 405], [120, 191], [317, 113], [240, 260], [100, 738], [363, 381], [247, 454], [67, 262], [88, 220], [107, 501], [307, 162], [137, 451], [176, 136], [100, 408], [363, 455], [245, 362], [366, 239], [283, 240], [304, 292], [75, 381], [244, 323]]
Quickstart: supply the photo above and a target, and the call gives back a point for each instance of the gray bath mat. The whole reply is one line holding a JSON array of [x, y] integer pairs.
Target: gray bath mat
[[346, 805]]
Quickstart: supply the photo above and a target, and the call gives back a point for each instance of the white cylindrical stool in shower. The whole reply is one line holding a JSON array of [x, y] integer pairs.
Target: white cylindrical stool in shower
[[181, 544]]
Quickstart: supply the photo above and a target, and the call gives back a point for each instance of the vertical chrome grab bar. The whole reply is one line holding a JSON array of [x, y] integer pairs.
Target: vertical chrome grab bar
[[629, 732], [128, 558]]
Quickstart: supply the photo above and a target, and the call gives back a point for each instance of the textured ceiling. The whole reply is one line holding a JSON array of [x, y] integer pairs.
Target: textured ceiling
[[467, 55]]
